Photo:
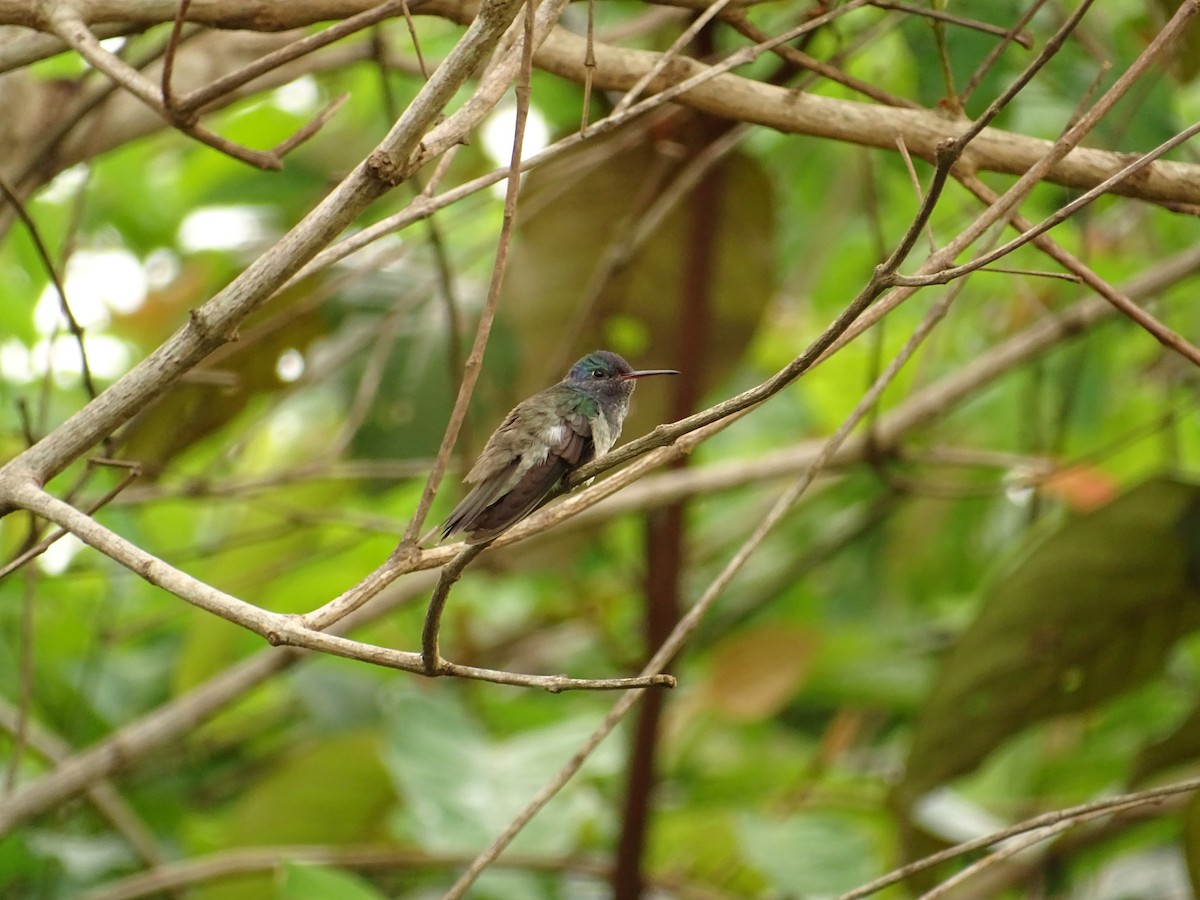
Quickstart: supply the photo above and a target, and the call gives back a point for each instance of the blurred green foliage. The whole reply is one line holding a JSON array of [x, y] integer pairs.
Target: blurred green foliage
[[901, 632]]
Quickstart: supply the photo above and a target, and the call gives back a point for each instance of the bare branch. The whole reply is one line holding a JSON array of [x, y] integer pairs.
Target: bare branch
[[110, 804], [201, 97], [70, 27], [728, 96], [45, 543], [216, 322], [1074, 815], [431, 658]]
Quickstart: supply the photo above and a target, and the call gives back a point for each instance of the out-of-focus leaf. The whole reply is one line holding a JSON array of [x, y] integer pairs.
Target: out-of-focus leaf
[[409, 416], [223, 385], [307, 882], [756, 672], [1180, 746], [209, 645], [807, 855], [333, 792], [1191, 842], [1185, 50], [1090, 613], [461, 789], [706, 847], [1082, 488]]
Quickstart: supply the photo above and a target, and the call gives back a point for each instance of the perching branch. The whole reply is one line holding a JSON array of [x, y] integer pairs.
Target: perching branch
[[277, 628], [431, 657]]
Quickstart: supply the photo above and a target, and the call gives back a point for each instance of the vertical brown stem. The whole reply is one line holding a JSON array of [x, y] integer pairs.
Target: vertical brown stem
[[665, 528]]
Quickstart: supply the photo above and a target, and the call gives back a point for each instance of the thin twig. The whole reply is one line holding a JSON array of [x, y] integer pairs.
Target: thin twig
[[407, 661], [1073, 814], [279, 629], [685, 37], [916, 183], [69, 26], [195, 100], [412, 34], [1165, 335], [1004, 206], [741, 23], [44, 544], [951, 99], [1012, 848], [168, 67], [483, 329], [44, 255], [1011, 36], [309, 128], [589, 68], [940, 16], [451, 572]]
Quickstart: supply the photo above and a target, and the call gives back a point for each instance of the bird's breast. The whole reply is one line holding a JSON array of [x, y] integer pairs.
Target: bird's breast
[[606, 428], [554, 435]]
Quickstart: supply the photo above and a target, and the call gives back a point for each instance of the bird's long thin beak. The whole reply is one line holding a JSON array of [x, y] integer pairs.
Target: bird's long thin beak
[[642, 373]]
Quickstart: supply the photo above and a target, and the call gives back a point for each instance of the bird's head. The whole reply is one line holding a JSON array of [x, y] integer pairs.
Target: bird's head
[[606, 373]]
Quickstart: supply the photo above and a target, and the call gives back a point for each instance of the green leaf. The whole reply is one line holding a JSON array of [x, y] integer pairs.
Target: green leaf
[[1181, 746], [336, 791], [209, 645], [1191, 842], [807, 855], [1089, 614], [226, 383], [309, 882], [1184, 55], [461, 788], [755, 672]]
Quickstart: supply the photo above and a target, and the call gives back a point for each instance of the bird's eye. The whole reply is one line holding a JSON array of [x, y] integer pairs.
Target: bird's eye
[[597, 373]]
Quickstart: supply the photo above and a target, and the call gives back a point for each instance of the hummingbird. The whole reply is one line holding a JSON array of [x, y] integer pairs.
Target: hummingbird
[[543, 439]]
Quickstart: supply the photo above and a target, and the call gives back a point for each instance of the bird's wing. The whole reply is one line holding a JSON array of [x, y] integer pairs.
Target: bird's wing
[[510, 483]]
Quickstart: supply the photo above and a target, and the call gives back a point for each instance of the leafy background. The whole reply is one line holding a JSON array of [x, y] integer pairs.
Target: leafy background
[[994, 618]]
